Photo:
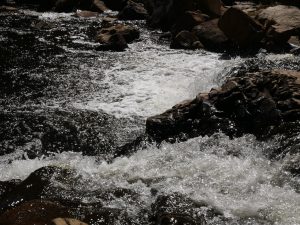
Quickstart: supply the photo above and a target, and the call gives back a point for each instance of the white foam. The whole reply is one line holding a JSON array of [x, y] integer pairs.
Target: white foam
[[150, 78], [202, 168]]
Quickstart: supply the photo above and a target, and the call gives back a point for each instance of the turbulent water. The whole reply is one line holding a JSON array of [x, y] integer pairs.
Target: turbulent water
[[234, 175]]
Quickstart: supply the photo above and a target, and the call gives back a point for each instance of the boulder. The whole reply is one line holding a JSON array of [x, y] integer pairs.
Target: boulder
[[116, 37], [252, 102], [241, 28], [164, 14], [116, 42], [67, 221], [211, 36], [281, 22], [32, 187], [38, 212], [186, 40], [133, 11], [188, 20], [7, 186]]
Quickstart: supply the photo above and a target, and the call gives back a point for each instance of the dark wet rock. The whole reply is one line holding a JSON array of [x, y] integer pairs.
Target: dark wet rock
[[188, 20], [116, 5], [179, 210], [281, 22], [251, 102], [116, 37], [241, 28], [164, 14], [186, 40], [133, 11], [7, 186], [107, 216], [292, 164], [39, 132], [211, 36], [116, 42], [32, 187], [38, 212]]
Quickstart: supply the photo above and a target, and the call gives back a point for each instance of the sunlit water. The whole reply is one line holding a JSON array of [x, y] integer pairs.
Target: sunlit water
[[148, 78]]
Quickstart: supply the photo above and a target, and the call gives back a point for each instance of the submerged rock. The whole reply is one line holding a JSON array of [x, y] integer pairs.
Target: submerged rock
[[40, 132], [32, 187], [177, 209], [38, 212], [186, 40], [116, 37], [133, 11], [251, 102]]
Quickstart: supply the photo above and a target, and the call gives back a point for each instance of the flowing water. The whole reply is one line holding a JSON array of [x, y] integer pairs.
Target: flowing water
[[233, 175]]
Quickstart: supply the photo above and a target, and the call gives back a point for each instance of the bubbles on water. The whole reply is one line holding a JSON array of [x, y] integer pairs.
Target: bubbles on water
[[232, 175]]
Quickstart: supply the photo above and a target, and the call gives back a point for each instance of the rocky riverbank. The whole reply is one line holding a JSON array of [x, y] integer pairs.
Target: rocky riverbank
[[45, 72]]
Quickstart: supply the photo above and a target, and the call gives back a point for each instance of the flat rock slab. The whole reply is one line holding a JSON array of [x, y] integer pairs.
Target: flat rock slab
[[282, 16]]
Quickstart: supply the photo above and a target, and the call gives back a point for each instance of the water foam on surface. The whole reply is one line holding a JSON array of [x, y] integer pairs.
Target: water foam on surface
[[233, 175], [149, 78]]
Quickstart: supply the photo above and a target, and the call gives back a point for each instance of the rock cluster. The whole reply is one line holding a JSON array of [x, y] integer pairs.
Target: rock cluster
[[252, 102], [220, 28], [116, 37]]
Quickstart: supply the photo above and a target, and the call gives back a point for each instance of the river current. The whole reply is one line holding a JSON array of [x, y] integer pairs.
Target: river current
[[233, 175]]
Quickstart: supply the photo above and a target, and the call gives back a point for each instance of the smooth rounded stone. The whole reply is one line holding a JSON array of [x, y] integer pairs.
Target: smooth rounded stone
[[133, 11], [34, 212], [116, 42], [129, 33], [241, 28], [281, 21], [67, 221], [186, 40], [211, 36]]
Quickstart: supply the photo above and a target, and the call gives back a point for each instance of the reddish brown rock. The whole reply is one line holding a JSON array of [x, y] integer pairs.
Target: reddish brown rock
[[241, 28], [116, 37], [249, 103], [281, 21], [211, 36], [186, 40], [35, 212]]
